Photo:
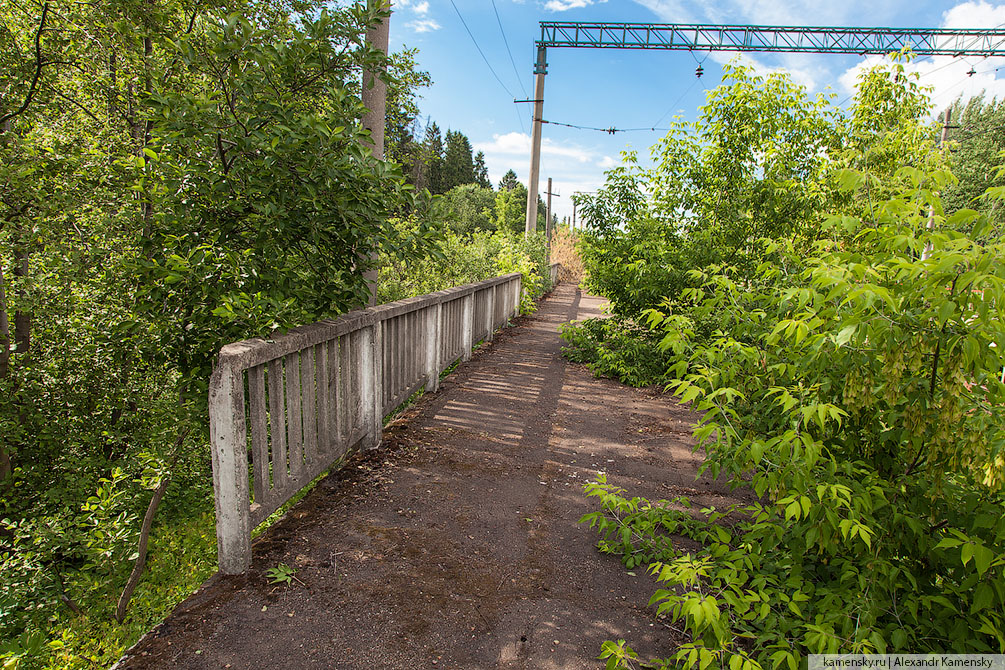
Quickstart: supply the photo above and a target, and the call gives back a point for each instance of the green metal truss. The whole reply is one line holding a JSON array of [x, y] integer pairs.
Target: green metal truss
[[790, 39]]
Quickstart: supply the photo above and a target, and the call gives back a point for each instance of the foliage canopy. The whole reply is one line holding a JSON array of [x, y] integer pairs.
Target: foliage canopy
[[841, 334]]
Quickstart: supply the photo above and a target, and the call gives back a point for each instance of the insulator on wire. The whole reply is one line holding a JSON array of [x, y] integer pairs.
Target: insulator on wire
[[699, 71], [971, 72]]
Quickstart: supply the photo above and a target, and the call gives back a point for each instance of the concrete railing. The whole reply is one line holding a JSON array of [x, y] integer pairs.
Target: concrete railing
[[298, 403]]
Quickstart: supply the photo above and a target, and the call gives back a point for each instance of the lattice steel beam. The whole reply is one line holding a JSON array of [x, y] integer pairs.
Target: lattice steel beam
[[688, 37], [697, 37]]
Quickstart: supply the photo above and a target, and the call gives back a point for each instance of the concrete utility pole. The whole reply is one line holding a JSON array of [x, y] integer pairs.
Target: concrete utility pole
[[947, 115], [540, 69], [574, 213], [547, 221], [375, 100]]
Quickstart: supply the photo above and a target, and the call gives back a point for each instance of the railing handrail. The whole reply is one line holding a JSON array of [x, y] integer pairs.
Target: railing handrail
[[300, 400], [254, 351]]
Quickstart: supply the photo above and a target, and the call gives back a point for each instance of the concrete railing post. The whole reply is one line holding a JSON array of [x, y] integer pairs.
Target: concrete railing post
[[467, 326], [517, 295], [491, 313], [228, 437], [370, 416], [434, 314], [377, 425]]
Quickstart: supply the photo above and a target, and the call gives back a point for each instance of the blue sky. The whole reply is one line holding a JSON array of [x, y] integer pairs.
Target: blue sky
[[633, 89]]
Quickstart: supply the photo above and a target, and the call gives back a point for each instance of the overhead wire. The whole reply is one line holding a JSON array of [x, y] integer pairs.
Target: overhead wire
[[487, 63], [484, 58], [963, 81], [952, 61], [677, 101], [610, 131], [923, 74], [516, 71]]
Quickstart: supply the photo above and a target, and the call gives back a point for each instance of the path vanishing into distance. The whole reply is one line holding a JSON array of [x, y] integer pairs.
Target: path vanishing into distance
[[457, 543]]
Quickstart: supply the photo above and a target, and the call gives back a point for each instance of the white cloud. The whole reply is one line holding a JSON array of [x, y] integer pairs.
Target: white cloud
[[947, 76], [518, 144], [950, 77], [974, 15], [563, 5], [572, 167], [423, 25], [803, 69]]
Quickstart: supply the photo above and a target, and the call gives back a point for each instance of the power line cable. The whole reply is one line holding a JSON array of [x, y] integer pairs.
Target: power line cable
[[610, 131], [475, 42], [509, 51], [963, 81], [677, 101], [952, 61], [523, 128]]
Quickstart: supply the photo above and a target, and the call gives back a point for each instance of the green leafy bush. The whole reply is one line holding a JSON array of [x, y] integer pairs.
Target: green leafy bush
[[848, 376], [616, 347], [193, 176], [464, 259], [858, 400]]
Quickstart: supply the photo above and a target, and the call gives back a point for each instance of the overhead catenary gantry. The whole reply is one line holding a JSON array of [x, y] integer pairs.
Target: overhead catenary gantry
[[764, 39]]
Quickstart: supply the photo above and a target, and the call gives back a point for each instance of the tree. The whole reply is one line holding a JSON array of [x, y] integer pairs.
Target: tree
[[458, 167], [481, 171], [432, 158], [172, 177], [467, 208], [511, 207], [975, 149], [400, 142], [747, 168], [843, 366], [508, 181]]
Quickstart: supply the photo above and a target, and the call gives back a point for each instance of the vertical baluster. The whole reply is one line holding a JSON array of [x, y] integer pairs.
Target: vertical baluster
[[308, 391], [259, 433], [378, 377], [468, 326], [324, 436], [277, 425], [294, 415], [345, 388], [228, 440]]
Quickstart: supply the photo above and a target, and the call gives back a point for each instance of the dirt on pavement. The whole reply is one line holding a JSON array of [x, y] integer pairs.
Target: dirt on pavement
[[457, 543]]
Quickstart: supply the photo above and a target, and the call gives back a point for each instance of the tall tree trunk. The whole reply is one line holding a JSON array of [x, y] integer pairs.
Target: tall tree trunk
[[5, 464], [148, 208], [22, 318]]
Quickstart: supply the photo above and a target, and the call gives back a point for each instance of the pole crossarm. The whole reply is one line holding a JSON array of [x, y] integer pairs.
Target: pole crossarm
[[789, 39]]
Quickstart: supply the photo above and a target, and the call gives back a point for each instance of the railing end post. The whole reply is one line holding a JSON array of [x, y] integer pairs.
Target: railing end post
[[373, 382], [228, 436]]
